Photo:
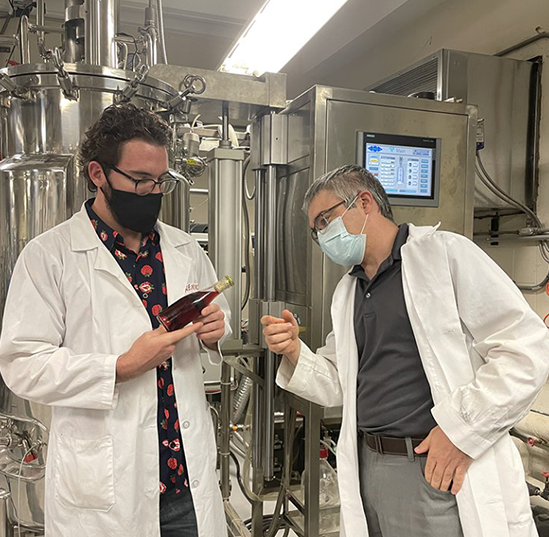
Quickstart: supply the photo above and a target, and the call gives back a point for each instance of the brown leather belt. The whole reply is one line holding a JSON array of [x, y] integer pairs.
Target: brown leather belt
[[388, 445]]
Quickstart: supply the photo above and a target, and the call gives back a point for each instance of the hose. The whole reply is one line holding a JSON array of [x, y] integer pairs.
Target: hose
[[484, 176], [249, 197], [275, 523], [241, 398], [496, 189], [239, 477], [247, 262]]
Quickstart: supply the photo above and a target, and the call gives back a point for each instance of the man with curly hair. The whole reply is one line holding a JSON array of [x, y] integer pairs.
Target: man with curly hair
[[132, 448]]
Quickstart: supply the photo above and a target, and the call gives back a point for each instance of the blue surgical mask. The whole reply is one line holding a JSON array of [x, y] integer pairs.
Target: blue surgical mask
[[339, 245]]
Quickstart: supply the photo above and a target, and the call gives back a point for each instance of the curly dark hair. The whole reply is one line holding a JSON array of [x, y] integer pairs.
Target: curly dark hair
[[120, 123]]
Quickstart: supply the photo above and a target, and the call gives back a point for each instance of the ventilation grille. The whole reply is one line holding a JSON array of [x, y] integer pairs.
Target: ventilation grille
[[421, 78]]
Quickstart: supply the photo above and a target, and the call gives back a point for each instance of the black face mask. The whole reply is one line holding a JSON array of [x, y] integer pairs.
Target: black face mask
[[138, 213]]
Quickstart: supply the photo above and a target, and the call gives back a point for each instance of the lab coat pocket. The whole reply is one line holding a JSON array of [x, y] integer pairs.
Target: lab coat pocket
[[84, 474]]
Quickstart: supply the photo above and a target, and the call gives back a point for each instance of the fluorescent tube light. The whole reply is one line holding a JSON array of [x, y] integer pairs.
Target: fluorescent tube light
[[278, 31]]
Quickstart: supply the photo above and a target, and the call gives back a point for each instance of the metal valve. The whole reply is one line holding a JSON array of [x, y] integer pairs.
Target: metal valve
[[21, 92], [125, 95], [194, 85], [69, 90]]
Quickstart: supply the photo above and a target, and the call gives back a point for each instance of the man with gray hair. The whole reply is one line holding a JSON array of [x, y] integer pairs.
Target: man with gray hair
[[434, 355]]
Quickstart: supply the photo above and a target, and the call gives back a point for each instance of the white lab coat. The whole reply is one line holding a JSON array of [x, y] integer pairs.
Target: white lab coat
[[70, 313], [486, 356]]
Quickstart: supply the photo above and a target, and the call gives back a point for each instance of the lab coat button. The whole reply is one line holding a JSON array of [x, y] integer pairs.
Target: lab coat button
[[368, 295], [186, 425], [195, 483]]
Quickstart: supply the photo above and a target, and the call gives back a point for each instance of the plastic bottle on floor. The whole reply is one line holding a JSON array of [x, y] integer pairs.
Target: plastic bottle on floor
[[328, 494]]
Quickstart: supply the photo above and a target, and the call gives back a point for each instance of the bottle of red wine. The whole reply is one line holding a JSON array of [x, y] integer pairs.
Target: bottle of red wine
[[189, 307]]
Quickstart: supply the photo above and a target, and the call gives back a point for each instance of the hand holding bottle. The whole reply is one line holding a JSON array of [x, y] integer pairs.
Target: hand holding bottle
[[213, 325], [282, 335], [150, 350]]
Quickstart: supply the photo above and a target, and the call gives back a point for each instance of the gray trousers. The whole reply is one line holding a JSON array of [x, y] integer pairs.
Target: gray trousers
[[399, 502]]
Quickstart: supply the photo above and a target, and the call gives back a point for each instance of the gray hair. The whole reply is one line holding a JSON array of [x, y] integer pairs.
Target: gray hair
[[346, 182]]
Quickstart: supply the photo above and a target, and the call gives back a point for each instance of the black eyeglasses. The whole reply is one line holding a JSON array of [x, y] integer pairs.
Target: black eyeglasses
[[322, 220], [166, 182]]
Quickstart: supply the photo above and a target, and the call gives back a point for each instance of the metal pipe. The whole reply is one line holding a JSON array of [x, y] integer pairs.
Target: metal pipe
[[152, 50], [224, 227], [24, 40], [225, 142], [45, 29], [40, 17], [270, 233], [150, 14], [234, 522], [257, 424], [123, 38], [75, 32], [151, 30], [259, 247], [269, 398], [510, 237], [257, 469], [521, 44], [6, 527], [225, 424], [10, 40], [312, 470], [161, 31], [100, 31], [7, 20], [92, 29], [200, 191]]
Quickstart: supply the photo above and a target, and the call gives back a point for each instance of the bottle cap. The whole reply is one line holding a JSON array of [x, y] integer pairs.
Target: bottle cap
[[224, 284], [323, 452]]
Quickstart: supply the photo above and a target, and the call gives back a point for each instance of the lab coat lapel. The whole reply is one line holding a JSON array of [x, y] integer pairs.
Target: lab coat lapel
[[105, 262], [343, 306], [343, 323], [429, 296], [85, 239]]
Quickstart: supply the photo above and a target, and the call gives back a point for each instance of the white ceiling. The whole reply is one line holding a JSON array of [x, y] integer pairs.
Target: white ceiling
[[200, 33]]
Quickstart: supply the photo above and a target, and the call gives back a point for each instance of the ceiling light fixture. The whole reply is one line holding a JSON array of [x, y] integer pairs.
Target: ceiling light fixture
[[277, 33]]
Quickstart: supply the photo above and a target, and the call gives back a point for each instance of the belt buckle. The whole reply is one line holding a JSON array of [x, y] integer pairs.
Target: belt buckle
[[379, 445]]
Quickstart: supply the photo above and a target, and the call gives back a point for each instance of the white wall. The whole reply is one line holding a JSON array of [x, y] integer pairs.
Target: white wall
[[414, 30]]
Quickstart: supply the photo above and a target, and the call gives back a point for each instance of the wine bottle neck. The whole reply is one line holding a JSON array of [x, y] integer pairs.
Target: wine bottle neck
[[223, 285]]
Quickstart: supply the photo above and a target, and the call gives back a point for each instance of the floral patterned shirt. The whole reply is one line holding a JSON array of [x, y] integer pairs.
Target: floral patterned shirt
[[145, 272]]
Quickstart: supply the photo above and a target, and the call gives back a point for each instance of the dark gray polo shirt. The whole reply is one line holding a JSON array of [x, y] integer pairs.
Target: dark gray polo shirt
[[393, 396]]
